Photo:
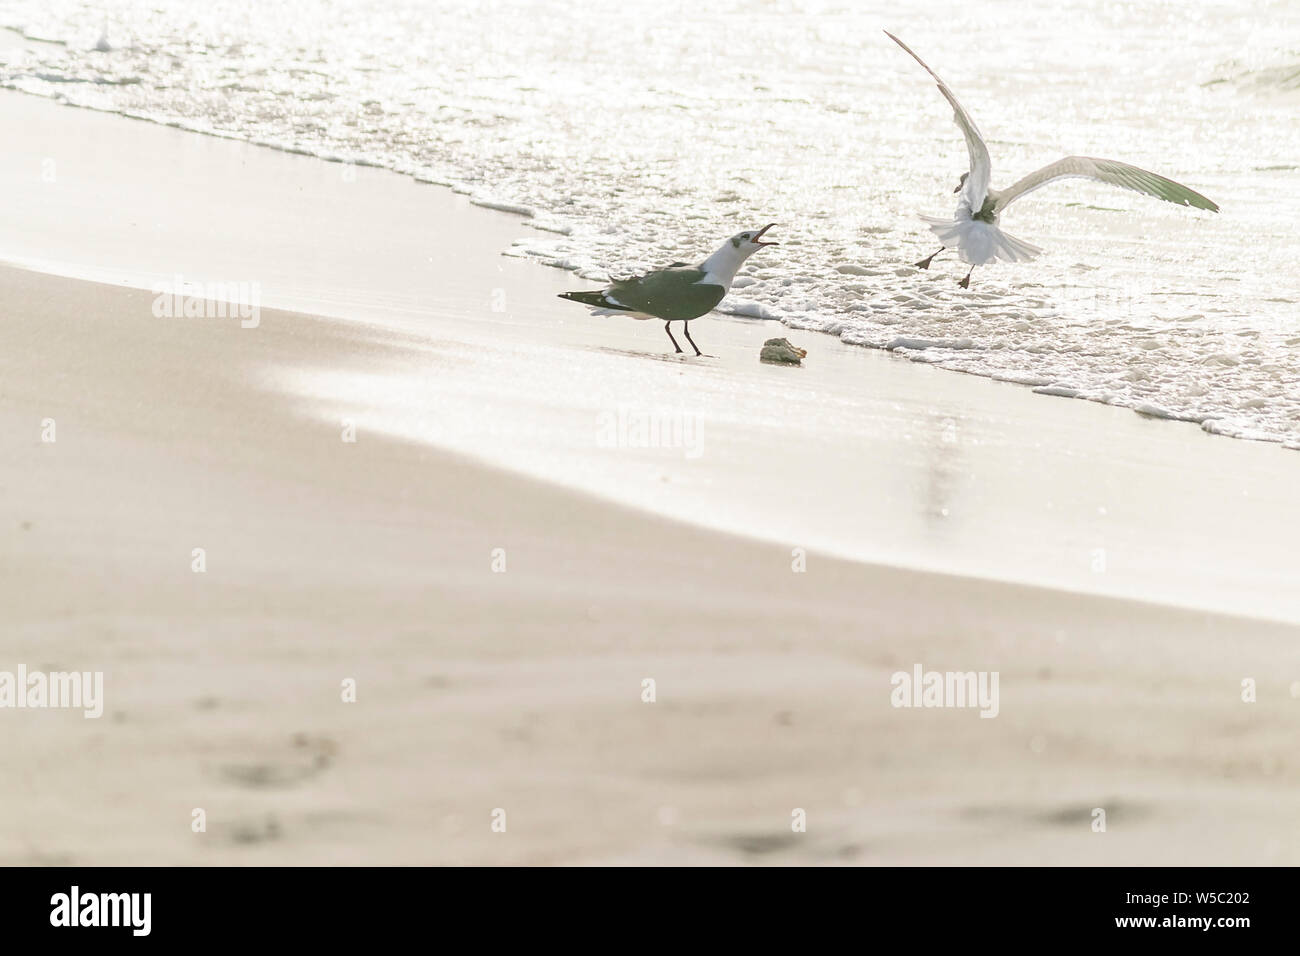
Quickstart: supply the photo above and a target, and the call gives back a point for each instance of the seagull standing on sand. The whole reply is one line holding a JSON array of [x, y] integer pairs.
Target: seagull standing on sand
[[974, 230], [679, 293]]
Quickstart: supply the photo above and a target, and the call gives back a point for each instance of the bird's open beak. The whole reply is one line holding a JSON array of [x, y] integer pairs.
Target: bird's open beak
[[759, 235], [958, 189]]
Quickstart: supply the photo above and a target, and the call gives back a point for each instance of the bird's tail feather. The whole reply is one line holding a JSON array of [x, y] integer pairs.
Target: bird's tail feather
[[948, 231], [597, 300], [1015, 250], [980, 242]]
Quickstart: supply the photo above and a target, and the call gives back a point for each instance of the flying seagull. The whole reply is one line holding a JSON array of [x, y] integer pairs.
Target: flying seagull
[[974, 229], [680, 292]]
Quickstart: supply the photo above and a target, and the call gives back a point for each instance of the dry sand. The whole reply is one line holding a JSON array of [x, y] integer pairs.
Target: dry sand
[[522, 689]]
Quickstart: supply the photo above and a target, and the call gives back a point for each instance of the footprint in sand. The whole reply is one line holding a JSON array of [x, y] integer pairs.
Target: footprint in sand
[[251, 831], [762, 845], [1065, 815], [305, 756]]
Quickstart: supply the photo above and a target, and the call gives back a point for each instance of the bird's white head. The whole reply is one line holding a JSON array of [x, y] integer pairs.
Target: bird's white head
[[751, 241], [723, 264]]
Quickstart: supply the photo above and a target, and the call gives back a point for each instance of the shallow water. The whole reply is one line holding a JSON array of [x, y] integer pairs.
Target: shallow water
[[641, 133]]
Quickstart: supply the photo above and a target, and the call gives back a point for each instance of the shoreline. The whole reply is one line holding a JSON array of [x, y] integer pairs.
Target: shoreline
[[910, 347]]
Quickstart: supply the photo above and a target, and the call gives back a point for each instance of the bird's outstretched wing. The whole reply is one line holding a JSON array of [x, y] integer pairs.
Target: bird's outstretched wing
[[981, 167], [1106, 171]]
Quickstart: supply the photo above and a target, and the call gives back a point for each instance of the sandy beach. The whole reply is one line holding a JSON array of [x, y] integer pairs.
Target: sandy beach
[[499, 580]]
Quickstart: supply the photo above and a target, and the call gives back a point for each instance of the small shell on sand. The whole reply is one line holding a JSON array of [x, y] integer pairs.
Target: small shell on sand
[[781, 352]]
